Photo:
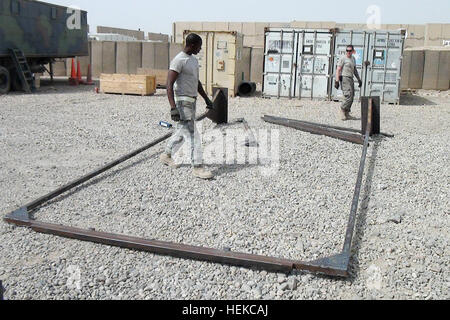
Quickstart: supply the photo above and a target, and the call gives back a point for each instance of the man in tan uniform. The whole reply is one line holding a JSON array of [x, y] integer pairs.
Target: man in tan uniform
[[345, 71]]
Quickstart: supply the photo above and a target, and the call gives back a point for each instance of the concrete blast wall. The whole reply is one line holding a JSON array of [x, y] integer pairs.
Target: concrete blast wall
[[437, 70], [413, 68], [123, 57], [257, 65]]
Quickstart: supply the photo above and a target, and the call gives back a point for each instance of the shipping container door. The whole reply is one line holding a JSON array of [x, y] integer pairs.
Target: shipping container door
[[279, 72], [313, 64], [202, 57], [224, 55], [360, 40], [384, 70]]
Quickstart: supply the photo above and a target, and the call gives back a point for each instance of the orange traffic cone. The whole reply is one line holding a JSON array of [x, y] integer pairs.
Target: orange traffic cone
[[73, 77], [89, 76], [79, 77]]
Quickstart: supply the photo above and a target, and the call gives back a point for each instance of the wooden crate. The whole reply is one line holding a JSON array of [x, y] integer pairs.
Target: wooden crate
[[128, 84], [161, 75]]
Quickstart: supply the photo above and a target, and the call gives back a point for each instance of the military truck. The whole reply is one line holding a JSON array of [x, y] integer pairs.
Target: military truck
[[34, 34]]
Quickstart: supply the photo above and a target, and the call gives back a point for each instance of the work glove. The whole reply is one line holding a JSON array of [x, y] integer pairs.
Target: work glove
[[175, 115], [209, 104], [360, 83], [336, 85]]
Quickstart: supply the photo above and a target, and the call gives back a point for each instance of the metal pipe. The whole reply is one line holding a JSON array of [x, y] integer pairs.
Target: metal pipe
[[246, 88]]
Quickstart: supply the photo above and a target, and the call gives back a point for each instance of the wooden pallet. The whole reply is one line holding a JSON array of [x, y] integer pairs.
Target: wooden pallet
[[161, 75], [128, 84]]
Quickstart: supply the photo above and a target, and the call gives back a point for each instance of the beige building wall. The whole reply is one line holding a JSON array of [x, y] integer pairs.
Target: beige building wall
[[418, 35], [436, 34], [158, 37]]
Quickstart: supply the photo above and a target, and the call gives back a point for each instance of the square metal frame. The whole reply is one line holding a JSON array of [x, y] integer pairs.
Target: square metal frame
[[336, 265]]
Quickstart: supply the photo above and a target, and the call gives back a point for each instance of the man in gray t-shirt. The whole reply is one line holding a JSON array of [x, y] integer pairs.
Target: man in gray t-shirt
[[345, 71], [183, 86]]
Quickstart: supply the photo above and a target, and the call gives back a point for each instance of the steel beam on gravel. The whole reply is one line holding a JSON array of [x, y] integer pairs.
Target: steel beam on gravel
[[272, 264], [315, 129]]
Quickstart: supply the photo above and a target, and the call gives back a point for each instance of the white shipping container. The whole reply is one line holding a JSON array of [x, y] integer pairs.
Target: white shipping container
[[379, 60], [297, 63], [222, 61]]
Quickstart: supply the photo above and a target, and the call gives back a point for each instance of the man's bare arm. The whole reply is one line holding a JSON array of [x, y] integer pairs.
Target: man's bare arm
[[357, 74], [338, 73], [203, 94], [171, 78]]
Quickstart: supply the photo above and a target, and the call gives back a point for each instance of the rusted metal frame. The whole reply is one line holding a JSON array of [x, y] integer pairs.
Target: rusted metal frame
[[337, 265], [250, 141], [316, 129], [340, 128], [272, 264], [36, 203], [341, 262], [355, 202]]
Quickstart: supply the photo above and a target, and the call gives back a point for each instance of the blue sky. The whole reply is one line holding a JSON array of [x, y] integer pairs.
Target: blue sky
[[157, 16]]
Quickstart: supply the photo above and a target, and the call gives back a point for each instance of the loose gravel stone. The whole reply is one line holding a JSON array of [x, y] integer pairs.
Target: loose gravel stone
[[299, 210]]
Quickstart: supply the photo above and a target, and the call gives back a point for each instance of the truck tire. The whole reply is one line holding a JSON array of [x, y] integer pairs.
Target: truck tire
[[5, 81], [16, 85]]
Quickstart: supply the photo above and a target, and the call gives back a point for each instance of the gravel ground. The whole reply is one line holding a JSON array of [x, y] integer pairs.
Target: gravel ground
[[401, 246]]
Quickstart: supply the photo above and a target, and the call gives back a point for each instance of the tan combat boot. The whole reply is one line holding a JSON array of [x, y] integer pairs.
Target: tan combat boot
[[202, 173], [349, 116], [168, 161], [343, 115]]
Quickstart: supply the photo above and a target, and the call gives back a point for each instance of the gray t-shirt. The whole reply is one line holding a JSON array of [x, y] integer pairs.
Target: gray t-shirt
[[348, 66], [187, 68]]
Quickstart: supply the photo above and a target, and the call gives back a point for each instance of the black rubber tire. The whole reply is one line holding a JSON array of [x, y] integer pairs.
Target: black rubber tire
[[16, 85], [5, 81]]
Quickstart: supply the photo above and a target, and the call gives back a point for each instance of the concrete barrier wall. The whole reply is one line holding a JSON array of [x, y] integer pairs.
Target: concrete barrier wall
[[161, 55], [60, 68], [148, 55], [437, 70], [97, 58], [247, 59], [174, 49], [257, 65], [155, 55], [108, 57], [122, 57], [413, 68], [134, 57]]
